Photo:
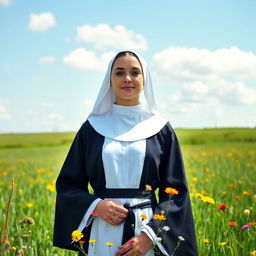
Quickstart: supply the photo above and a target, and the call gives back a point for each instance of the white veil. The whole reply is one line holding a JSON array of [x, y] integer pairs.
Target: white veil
[[102, 118]]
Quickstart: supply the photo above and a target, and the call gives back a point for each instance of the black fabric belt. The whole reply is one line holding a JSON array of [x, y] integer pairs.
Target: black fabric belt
[[129, 224]]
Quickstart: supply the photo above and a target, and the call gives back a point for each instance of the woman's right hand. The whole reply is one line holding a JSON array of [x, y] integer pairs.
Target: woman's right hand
[[111, 211]]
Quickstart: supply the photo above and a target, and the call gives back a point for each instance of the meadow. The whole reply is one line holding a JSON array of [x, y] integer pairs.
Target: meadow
[[220, 166]]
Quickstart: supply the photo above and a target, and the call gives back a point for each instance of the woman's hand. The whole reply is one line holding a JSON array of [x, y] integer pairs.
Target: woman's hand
[[111, 211], [138, 246]]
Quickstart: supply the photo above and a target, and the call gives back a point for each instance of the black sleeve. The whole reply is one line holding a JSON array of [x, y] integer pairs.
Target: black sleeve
[[73, 198], [176, 208]]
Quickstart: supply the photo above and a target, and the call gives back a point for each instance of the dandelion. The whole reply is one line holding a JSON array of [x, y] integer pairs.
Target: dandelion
[[77, 235], [95, 214], [246, 193], [51, 187], [222, 243], [208, 200], [247, 212], [232, 223], [110, 244], [171, 191], [253, 253], [159, 217], [29, 205], [233, 185], [148, 187], [143, 216], [206, 241], [245, 226], [222, 207], [92, 241]]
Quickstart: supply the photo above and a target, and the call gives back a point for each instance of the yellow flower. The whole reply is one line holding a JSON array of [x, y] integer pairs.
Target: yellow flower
[[247, 212], [29, 205], [208, 200], [148, 188], [110, 244], [224, 193], [51, 187], [159, 217], [77, 235], [195, 179], [92, 241], [206, 241], [253, 253], [20, 191], [246, 193], [222, 243], [171, 191], [143, 216]]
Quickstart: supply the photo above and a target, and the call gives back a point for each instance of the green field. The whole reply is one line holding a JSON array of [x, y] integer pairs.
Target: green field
[[220, 165]]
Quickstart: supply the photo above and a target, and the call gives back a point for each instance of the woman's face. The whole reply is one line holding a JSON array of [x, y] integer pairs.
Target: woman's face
[[127, 80]]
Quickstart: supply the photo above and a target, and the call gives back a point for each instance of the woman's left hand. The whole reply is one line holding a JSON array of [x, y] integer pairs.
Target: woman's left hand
[[138, 245]]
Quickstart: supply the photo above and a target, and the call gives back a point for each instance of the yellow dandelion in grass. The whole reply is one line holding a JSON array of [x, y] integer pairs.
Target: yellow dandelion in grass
[[195, 179], [253, 253], [246, 193], [92, 241], [51, 187], [20, 191], [199, 195], [77, 235], [29, 205], [143, 216], [110, 244], [206, 241], [208, 200], [222, 244]]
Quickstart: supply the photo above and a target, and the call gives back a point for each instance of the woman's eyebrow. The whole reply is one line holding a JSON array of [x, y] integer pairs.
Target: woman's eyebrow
[[120, 68]]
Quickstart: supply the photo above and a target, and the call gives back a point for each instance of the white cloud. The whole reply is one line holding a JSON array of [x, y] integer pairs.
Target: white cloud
[[103, 36], [47, 60], [46, 104], [5, 2], [190, 64], [4, 112], [41, 22], [84, 59], [54, 117]]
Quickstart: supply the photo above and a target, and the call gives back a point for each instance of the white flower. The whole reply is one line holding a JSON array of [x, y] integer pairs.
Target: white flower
[[181, 238], [166, 228], [159, 239]]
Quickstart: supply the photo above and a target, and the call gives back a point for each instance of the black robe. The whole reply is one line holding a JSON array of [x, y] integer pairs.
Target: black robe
[[163, 167]]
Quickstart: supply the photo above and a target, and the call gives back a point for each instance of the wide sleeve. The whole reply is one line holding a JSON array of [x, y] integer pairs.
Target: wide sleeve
[[73, 198], [178, 228]]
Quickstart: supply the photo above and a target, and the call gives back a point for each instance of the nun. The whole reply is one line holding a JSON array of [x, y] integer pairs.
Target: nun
[[130, 156]]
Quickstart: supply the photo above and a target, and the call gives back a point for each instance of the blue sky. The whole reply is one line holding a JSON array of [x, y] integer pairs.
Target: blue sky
[[202, 55]]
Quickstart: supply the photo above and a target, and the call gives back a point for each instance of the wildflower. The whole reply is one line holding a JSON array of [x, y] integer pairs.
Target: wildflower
[[27, 220], [206, 241], [81, 242], [159, 239], [171, 191], [198, 195], [233, 185], [252, 223], [77, 235], [208, 200], [29, 205], [92, 241], [143, 216], [166, 228], [159, 217], [222, 243], [195, 179], [3, 240], [131, 242], [51, 187], [236, 197], [95, 214], [162, 212], [20, 191], [232, 223], [224, 193], [253, 253], [245, 226], [110, 244], [246, 193], [247, 212], [222, 207], [148, 187], [181, 238]]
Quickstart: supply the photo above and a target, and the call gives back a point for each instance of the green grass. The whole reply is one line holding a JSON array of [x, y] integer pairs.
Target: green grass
[[220, 163]]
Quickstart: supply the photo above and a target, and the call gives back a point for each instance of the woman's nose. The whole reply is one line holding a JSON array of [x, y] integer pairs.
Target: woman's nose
[[127, 78]]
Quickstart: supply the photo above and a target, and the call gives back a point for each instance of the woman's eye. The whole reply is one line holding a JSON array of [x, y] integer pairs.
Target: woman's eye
[[135, 73], [119, 73]]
